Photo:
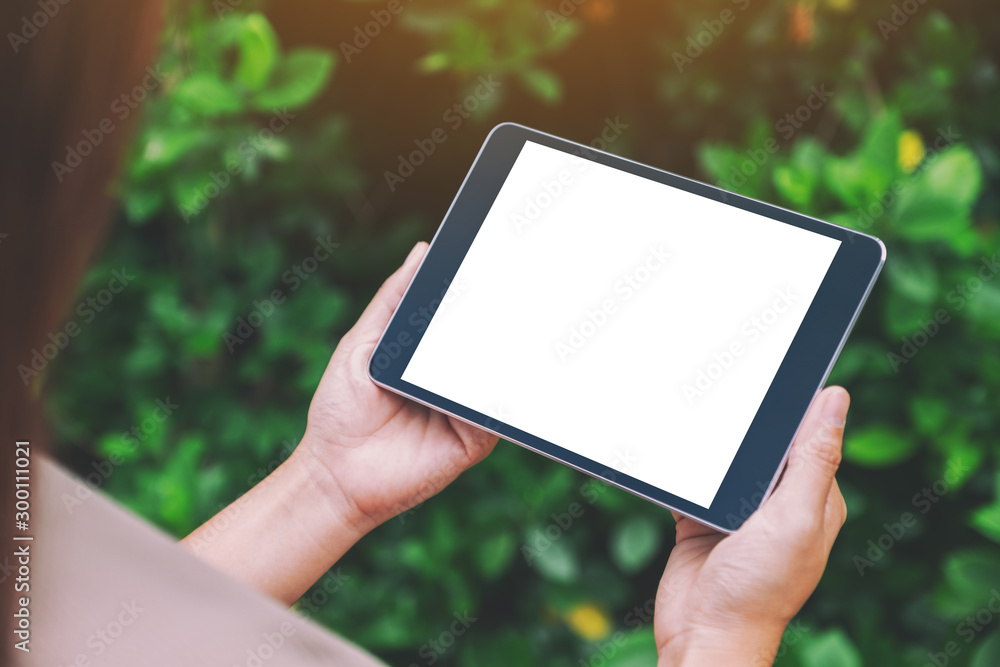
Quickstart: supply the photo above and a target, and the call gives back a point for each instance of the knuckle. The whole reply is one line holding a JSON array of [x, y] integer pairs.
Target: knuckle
[[825, 444]]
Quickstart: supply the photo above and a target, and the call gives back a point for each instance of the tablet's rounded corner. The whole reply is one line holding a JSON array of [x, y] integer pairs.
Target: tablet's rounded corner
[[503, 128], [372, 372], [874, 249], [878, 249]]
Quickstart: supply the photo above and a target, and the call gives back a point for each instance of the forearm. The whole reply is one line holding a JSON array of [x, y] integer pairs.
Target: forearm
[[279, 537]]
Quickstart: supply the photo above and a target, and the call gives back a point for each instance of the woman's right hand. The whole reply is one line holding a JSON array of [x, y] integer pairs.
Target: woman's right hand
[[726, 599]]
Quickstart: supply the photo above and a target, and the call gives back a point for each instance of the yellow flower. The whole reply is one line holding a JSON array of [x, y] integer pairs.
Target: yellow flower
[[911, 150], [589, 622]]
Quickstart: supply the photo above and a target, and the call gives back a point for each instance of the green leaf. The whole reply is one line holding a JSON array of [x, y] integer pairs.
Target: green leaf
[[962, 456], [208, 94], [859, 184], [637, 649], [929, 413], [258, 52], [497, 649], [117, 445], [860, 359], [433, 62], [955, 173], [971, 573], [831, 649], [297, 80], [141, 204], [865, 177], [494, 554], [984, 305], [926, 216], [986, 520], [937, 203], [164, 146], [553, 559], [904, 317], [913, 277], [543, 83], [635, 542], [796, 181], [880, 144], [988, 652], [878, 446], [716, 160]]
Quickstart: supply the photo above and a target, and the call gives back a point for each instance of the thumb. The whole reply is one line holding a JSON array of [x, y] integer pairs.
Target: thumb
[[378, 313], [815, 455]]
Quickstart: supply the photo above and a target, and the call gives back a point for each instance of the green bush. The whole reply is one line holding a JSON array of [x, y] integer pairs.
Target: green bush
[[248, 159]]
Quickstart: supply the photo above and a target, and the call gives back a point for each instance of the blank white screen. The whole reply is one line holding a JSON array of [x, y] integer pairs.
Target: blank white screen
[[633, 323]]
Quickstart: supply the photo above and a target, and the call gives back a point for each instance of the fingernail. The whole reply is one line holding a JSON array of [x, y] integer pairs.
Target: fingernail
[[835, 405]]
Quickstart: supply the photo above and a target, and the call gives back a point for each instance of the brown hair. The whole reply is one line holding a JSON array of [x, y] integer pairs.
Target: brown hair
[[66, 63]]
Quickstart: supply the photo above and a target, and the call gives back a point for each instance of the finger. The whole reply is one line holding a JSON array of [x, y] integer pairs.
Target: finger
[[688, 528], [477, 442], [815, 455], [376, 316]]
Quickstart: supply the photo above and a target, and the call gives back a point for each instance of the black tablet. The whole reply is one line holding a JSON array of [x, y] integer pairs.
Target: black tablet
[[652, 331]]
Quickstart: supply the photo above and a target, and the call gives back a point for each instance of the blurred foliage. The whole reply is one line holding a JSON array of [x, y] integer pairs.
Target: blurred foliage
[[223, 207], [513, 45]]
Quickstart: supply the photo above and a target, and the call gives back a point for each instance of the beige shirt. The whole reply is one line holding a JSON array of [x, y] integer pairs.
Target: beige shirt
[[108, 590]]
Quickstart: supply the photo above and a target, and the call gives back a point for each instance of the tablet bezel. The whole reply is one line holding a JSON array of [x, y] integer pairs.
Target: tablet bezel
[[801, 375]]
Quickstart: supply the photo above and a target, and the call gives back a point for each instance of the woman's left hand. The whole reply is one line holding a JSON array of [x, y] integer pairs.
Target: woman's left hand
[[374, 452]]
